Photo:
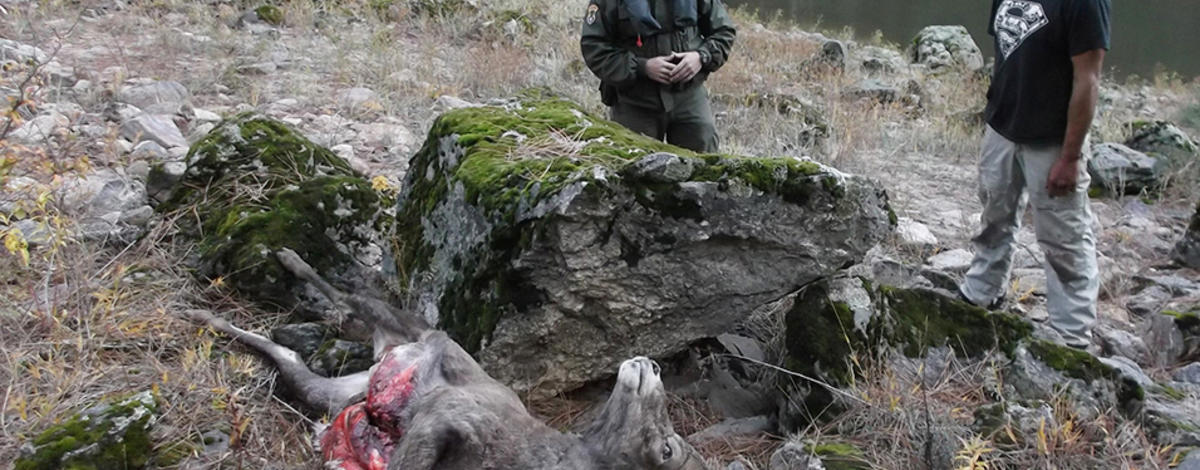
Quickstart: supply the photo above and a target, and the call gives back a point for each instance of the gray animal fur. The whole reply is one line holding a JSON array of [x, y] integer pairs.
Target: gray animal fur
[[459, 417]]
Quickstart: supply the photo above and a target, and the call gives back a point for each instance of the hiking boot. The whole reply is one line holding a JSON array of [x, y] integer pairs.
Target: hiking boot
[[994, 306]]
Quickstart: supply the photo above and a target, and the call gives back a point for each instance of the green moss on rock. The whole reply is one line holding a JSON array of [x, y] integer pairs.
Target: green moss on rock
[[922, 319], [822, 336], [1071, 362], [503, 161], [270, 14], [255, 186], [841, 456], [115, 436]]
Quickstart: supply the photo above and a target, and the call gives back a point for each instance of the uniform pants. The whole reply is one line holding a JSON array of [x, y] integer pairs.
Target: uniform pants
[[1011, 176], [689, 124]]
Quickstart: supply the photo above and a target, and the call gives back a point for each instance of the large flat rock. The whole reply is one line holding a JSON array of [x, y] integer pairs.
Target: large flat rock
[[553, 244]]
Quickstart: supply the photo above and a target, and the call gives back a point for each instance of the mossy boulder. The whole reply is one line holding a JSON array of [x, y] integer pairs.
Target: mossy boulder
[[555, 244], [253, 186], [114, 436], [836, 323], [1164, 140], [1187, 251], [942, 48]]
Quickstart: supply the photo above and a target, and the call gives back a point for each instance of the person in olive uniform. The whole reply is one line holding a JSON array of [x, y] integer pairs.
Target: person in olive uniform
[[652, 57]]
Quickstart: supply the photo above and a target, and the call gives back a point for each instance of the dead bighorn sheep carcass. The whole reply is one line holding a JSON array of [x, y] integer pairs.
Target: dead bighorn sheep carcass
[[426, 404]]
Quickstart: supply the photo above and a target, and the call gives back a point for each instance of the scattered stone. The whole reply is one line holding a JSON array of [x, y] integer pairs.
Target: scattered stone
[[1025, 422], [1187, 251], [24, 53], [149, 150], [110, 436], [1128, 370], [742, 346], [872, 90], [139, 170], [793, 456], [355, 97], [446, 103], [1117, 342], [139, 217], [1149, 301], [881, 61], [33, 232], [913, 234], [1189, 374], [121, 112], [956, 261], [143, 96], [384, 135], [59, 75], [1191, 462], [1177, 285], [1163, 139], [794, 103], [734, 427], [203, 115], [200, 131], [833, 53], [154, 127], [1118, 170], [346, 151], [162, 179], [102, 192], [946, 48], [1029, 281], [40, 128]]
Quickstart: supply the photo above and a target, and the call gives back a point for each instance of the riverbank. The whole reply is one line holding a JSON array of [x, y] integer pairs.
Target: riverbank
[[88, 318]]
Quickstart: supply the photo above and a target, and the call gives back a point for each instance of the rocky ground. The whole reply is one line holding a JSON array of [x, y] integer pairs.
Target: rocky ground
[[106, 99]]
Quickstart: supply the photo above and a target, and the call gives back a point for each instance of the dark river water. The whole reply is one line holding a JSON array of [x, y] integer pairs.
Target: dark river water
[[1148, 35]]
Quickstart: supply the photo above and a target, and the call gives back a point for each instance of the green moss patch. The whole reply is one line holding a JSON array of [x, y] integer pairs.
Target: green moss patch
[[922, 319], [255, 186], [841, 456], [1071, 362], [115, 436], [270, 14], [503, 161]]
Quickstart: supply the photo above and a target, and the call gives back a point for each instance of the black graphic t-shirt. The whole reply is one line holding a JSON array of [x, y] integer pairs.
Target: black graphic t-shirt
[[1035, 40]]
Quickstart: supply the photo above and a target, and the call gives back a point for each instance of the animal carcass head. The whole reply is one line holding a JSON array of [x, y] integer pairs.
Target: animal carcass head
[[634, 430]]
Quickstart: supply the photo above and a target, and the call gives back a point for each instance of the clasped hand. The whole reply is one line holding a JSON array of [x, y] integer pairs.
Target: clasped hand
[[678, 67]]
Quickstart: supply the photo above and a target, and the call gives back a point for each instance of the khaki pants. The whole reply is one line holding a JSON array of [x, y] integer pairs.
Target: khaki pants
[[689, 124], [1011, 176]]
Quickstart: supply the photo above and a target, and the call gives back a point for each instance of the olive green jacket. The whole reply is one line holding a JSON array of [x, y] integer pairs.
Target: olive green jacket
[[610, 48]]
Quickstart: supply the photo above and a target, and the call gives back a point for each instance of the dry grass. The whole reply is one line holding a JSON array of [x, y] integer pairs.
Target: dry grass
[[85, 321], [919, 414]]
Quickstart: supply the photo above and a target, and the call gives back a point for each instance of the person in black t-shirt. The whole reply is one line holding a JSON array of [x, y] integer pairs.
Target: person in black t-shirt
[[1049, 54]]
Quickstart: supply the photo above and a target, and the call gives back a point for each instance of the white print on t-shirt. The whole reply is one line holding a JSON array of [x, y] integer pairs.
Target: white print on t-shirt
[[1015, 21]]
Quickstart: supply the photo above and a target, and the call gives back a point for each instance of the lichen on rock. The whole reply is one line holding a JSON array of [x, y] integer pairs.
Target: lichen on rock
[[114, 436], [254, 186], [528, 224]]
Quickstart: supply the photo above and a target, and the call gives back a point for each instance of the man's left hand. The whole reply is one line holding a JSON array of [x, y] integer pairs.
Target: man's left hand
[[687, 68], [1064, 176]]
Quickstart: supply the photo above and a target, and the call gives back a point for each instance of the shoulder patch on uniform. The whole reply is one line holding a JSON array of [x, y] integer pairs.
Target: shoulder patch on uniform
[[592, 11]]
